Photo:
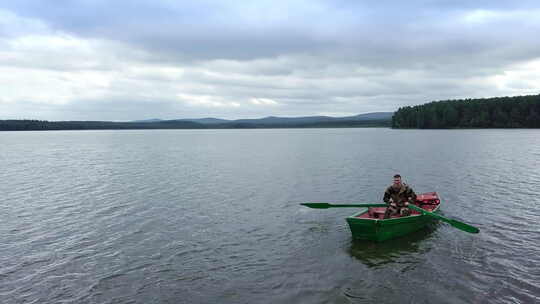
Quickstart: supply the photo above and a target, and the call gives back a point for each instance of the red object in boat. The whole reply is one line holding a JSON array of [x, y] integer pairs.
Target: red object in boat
[[428, 201]]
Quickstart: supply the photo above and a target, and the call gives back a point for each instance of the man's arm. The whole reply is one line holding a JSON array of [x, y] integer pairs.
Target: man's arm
[[411, 196], [387, 197]]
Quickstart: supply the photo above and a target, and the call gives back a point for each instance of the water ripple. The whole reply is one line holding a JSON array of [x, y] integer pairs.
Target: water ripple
[[212, 216]]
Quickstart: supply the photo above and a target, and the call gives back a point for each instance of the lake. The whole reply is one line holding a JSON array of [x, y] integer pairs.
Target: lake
[[213, 216]]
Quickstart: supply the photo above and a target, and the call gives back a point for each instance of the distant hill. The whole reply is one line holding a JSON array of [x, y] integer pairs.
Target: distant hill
[[381, 119], [207, 120], [371, 116], [148, 120], [274, 121]]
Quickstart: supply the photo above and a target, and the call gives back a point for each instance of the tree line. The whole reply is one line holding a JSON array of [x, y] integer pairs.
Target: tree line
[[42, 125], [498, 112]]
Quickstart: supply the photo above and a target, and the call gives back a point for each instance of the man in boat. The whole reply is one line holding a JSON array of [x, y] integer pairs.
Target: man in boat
[[398, 196]]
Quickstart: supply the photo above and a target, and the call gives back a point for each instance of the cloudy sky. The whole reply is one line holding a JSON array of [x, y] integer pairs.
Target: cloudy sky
[[125, 60]]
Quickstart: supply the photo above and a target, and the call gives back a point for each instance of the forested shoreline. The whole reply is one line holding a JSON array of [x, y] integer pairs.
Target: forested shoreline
[[498, 112], [43, 125]]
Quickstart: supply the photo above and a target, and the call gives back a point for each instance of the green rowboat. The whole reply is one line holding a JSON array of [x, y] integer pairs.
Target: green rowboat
[[370, 225]]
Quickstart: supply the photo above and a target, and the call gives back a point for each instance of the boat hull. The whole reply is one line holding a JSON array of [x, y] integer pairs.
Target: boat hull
[[365, 226]]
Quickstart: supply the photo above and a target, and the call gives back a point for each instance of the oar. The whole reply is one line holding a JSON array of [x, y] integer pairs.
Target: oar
[[455, 223], [327, 205]]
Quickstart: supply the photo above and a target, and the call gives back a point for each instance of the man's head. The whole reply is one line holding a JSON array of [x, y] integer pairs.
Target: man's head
[[397, 181]]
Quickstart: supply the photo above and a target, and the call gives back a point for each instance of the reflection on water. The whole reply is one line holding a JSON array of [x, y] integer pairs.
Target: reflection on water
[[396, 262], [374, 254], [212, 216]]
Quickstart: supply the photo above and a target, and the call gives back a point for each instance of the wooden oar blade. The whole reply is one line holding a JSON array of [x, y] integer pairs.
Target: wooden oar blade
[[463, 226], [455, 223], [316, 205]]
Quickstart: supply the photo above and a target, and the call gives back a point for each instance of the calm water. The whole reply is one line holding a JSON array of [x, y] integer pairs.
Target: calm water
[[213, 216]]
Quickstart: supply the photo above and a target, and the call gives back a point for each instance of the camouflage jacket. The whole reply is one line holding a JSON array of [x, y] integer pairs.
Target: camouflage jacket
[[400, 195]]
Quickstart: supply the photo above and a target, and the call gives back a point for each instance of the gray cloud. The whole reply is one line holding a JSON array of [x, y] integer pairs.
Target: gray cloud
[[214, 58], [397, 32]]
